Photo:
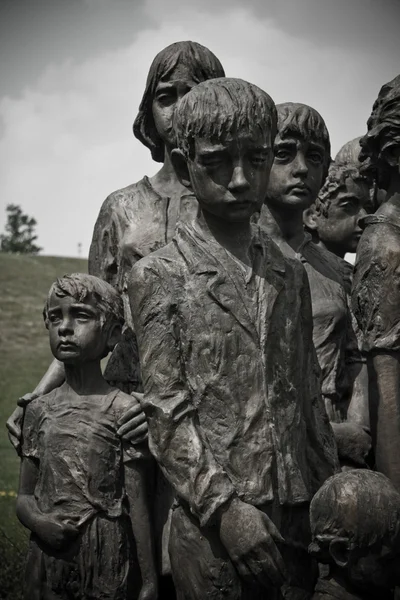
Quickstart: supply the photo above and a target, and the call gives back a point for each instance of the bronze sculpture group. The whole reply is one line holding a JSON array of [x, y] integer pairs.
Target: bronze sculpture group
[[243, 441]]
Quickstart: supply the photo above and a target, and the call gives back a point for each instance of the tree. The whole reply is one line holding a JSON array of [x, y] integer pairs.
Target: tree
[[20, 236]]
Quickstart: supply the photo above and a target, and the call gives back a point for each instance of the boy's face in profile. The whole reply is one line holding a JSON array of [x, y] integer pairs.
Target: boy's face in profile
[[229, 176], [76, 330], [340, 229]]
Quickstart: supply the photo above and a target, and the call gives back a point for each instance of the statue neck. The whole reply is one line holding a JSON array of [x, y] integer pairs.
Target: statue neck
[[287, 227], [165, 182]]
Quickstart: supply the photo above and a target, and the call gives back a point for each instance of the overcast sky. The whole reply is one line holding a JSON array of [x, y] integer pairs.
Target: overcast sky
[[73, 72]]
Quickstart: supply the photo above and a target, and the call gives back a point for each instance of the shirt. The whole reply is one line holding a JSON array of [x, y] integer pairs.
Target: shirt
[[230, 375], [80, 455]]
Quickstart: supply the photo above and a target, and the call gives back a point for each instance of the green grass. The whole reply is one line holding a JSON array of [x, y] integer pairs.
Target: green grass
[[24, 357]]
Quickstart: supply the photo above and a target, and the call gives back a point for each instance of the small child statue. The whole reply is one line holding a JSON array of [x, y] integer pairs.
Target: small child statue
[[83, 491], [355, 525]]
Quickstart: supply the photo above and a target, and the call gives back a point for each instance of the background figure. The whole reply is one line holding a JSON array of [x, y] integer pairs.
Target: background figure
[[334, 218], [302, 157], [142, 217], [349, 154], [355, 526], [376, 296], [83, 491]]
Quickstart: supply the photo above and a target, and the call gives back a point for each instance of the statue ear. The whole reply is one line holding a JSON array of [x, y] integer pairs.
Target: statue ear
[[310, 218], [339, 551], [114, 335], [392, 155], [179, 162]]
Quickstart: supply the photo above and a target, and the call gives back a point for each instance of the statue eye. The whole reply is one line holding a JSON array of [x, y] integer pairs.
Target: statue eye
[[212, 160], [316, 157], [166, 98], [54, 317], [283, 154], [259, 158]]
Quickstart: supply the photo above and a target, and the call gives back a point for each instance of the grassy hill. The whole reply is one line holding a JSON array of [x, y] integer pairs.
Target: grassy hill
[[24, 357]]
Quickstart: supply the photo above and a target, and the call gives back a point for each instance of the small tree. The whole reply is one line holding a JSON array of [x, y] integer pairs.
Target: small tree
[[20, 236]]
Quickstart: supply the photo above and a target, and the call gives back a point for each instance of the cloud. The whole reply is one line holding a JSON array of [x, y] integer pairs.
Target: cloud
[[67, 140]]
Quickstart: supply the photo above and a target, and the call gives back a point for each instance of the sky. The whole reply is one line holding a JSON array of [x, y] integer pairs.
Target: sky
[[73, 72]]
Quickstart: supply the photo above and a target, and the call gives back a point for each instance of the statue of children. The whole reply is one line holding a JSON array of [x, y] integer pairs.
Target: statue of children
[[231, 389], [355, 525], [83, 491]]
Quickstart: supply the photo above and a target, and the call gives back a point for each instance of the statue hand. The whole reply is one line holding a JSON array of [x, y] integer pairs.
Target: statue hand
[[14, 426], [249, 537], [27, 398], [14, 422], [133, 424], [149, 591], [54, 532], [353, 442]]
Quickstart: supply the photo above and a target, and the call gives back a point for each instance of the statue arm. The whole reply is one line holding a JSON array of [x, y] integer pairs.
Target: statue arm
[[175, 435], [138, 474], [104, 260], [53, 378], [384, 405]]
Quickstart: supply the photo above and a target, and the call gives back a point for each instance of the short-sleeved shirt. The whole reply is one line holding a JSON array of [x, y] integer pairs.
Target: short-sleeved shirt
[[376, 287], [80, 456]]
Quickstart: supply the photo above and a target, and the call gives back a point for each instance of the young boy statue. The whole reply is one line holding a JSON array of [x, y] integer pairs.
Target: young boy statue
[[231, 388], [334, 218], [355, 524], [83, 491]]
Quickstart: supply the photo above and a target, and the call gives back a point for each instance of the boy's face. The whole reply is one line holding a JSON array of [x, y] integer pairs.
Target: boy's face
[[76, 331], [340, 229], [296, 174], [229, 177]]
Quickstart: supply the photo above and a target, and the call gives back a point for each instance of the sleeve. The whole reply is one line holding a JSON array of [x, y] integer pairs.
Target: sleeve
[[175, 437], [30, 433], [104, 258], [376, 290]]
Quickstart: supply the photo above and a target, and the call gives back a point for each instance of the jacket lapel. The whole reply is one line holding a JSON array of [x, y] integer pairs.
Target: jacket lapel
[[207, 259]]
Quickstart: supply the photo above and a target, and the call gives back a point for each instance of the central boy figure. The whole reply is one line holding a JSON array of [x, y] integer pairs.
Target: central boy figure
[[231, 389]]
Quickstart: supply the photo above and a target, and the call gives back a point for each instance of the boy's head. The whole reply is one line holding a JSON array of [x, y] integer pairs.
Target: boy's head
[[334, 218], [355, 526], [224, 130], [380, 154], [84, 316], [173, 72], [302, 155]]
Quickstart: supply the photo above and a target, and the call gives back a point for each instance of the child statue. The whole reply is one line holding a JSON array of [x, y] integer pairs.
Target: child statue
[[334, 218], [83, 491], [376, 291], [301, 162], [355, 525], [231, 388]]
